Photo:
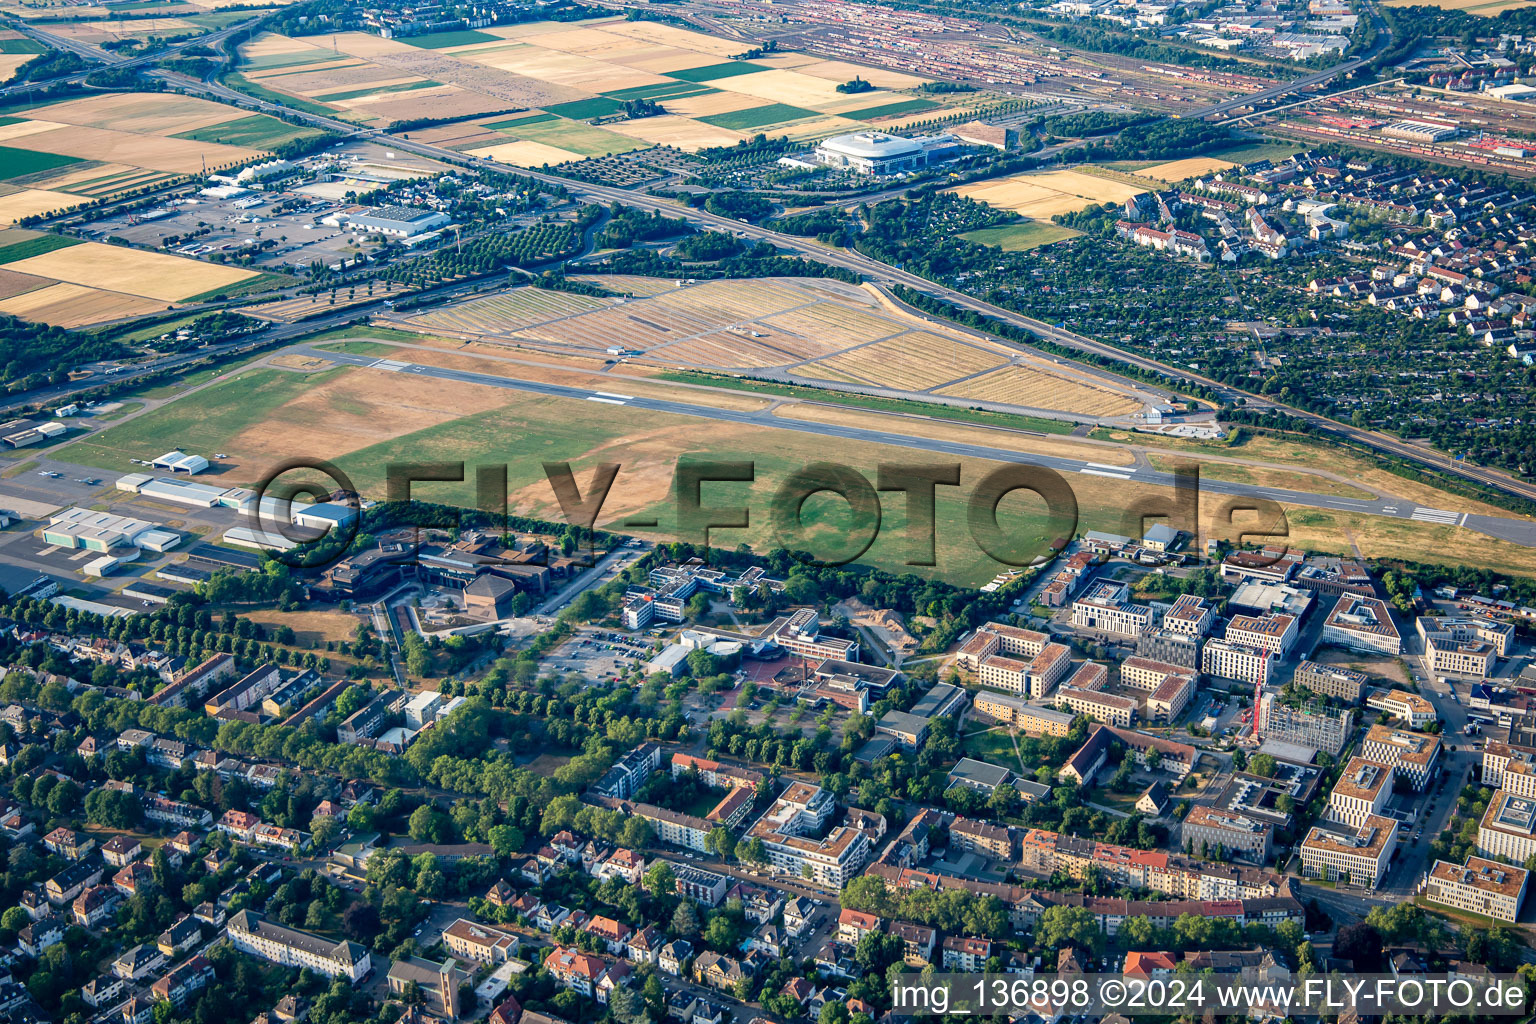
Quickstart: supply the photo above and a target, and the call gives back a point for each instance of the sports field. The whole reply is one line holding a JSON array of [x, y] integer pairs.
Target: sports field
[[807, 329]]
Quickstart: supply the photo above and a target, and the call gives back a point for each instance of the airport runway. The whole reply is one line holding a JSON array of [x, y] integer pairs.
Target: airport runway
[[1518, 531]]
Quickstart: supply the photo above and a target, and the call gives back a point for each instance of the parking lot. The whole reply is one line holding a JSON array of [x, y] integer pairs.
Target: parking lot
[[599, 655]]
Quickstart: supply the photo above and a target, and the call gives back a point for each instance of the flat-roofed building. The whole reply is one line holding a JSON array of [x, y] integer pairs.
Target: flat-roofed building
[[1413, 755], [1226, 659], [1358, 854], [1217, 829], [1362, 790], [789, 833], [1362, 624], [1469, 629], [1331, 680], [799, 633], [1480, 886], [1272, 631], [1172, 648], [1254, 597], [1272, 565], [1468, 659], [1106, 607], [1498, 755], [1508, 828], [1190, 616], [1411, 708], [906, 729]]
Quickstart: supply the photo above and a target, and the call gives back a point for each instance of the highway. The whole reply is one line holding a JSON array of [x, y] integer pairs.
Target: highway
[[112, 60], [1518, 531]]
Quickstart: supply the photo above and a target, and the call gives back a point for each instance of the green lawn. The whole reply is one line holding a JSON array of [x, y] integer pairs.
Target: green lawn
[[263, 282], [994, 746], [675, 90], [1252, 152], [444, 40], [352, 94], [714, 72], [259, 131], [757, 117], [1018, 237], [34, 247], [582, 110], [18, 163], [584, 139], [517, 122], [205, 420], [892, 109]]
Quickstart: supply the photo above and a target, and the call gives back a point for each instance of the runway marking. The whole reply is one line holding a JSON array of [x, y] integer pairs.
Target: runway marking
[[610, 394], [392, 365], [605, 401], [1100, 472], [1117, 469], [1435, 515]]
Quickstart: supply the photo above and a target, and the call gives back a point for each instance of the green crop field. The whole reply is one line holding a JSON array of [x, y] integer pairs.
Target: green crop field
[[255, 132], [21, 46], [34, 247], [286, 60], [713, 72], [444, 40], [582, 110], [675, 90], [352, 94], [517, 122], [892, 109], [757, 117], [578, 138], [1018, 237], [18, 163]]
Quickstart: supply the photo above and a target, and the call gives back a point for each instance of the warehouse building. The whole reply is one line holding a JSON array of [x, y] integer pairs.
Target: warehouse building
[[398, 221], [88, 530]]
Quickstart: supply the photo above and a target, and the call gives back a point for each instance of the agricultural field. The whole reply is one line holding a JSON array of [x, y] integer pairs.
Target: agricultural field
[[1189, 167], [803, 329], [1042, 195], [573, 79], [58, 156], [1031, 388], [1485, 8], [61, 281]]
